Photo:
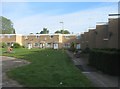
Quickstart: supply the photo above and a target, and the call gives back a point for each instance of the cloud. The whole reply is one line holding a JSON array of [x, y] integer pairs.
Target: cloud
[[75, 22]]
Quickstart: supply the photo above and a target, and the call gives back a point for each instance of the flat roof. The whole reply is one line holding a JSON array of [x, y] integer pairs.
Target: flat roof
[[41, 34], [101, 23]]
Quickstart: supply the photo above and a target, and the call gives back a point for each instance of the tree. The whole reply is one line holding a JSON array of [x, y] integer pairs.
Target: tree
[[72, 47], [63, 32], [6, 26], [66, 32], [45, 31], [31, 33], [57, 32]]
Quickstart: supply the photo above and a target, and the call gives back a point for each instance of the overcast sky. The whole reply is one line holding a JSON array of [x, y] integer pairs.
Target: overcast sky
[[32, 17]]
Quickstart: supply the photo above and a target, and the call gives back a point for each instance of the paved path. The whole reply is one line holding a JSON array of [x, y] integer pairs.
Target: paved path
[[7, 64], [97, 78]]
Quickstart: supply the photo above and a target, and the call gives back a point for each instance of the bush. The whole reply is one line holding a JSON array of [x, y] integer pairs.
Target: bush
[[86, 50], [23, 46], [16, 45], [72, 47], [3, 45], [104, 60]]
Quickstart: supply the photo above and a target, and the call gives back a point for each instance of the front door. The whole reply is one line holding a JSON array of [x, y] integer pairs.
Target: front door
[[29, 46], [40, 45], [78, 46], [55, 46]]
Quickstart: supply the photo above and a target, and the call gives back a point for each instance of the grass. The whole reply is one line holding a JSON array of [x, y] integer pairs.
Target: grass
[[47, 69]]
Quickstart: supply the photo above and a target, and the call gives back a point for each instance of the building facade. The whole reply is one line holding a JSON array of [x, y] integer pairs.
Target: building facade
[[55, 41], [105, 35]]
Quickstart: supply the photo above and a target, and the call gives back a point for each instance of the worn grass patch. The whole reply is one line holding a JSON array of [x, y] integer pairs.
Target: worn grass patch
[[48, 68]]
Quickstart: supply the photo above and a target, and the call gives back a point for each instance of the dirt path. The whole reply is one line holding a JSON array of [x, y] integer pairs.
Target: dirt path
[[7, 64], [97, 78]]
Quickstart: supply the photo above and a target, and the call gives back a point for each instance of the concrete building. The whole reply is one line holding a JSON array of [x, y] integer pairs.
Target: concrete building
[[101, 35], [113, 32], [92, 38], [82, 41], [105, 35], [86, 39], [41, 40]]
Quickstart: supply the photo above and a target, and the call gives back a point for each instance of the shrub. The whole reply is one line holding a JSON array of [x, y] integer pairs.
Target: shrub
[[72, 47], [23, 46], [86, 50], [105, 60], [16, 45], [3, 45]]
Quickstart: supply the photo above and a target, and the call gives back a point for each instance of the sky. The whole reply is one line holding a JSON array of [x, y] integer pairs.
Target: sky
[[32, 17]]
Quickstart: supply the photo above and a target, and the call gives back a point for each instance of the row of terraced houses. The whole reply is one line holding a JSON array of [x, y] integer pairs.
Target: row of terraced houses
[[105, 35], [42, 40]]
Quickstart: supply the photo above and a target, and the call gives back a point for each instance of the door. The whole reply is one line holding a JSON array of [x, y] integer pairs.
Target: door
[[78, 46], [40, 45], [29, 46], [55, 46]]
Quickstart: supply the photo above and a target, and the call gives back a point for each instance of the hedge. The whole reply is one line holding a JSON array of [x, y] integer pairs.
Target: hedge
[[106, 61]]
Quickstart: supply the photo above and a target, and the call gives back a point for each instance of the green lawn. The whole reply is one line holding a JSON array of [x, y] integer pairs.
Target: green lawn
[[47, 69]]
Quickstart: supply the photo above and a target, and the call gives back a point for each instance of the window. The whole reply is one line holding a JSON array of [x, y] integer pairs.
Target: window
[[67, 37], [36, 44], [26, 37], [37, 37], [51, 36], [9, 36], [48, 45], [2, 36], [67, 45]]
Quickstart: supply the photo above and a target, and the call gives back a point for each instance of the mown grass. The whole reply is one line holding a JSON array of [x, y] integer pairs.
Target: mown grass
[[47, 69]]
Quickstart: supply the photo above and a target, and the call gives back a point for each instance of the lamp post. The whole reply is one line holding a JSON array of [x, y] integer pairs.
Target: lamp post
[[62, 25]]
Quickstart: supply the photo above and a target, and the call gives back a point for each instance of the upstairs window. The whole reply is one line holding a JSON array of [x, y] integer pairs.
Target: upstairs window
[[51, 36], [9, 36], [26, 37], [67, 37], [2, 36], [37, 37]]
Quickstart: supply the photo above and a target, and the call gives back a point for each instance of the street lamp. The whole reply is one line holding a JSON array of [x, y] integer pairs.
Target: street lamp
[[62, 25]]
